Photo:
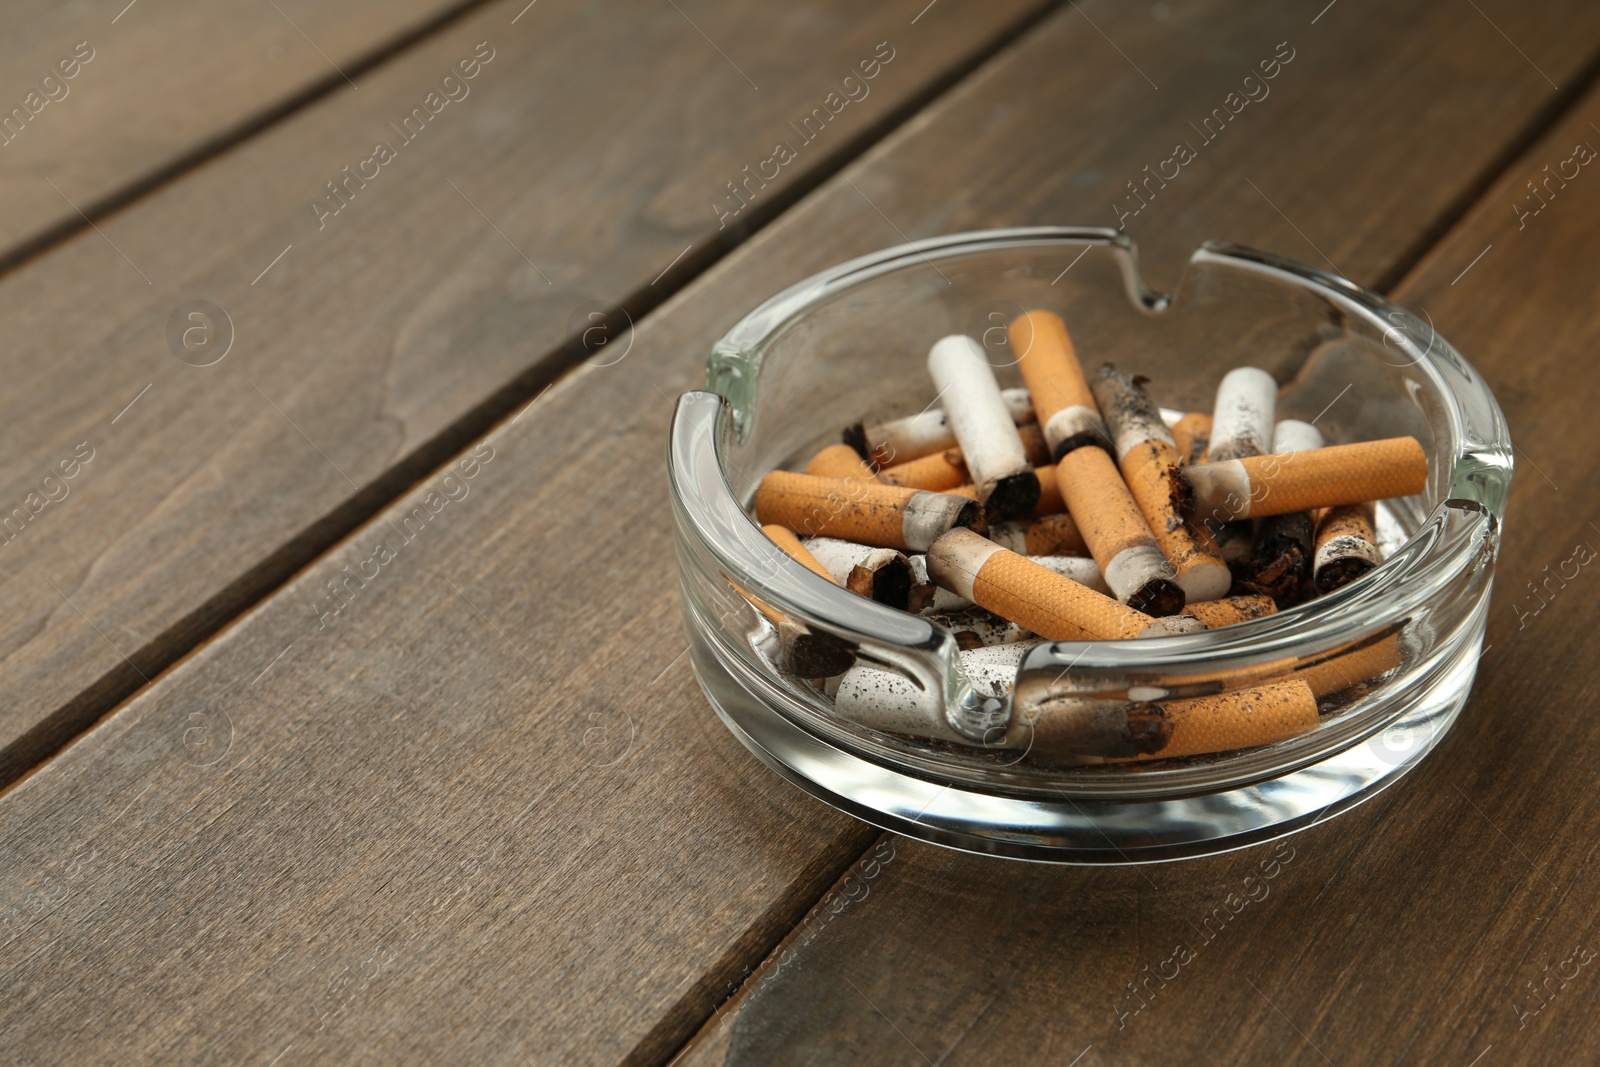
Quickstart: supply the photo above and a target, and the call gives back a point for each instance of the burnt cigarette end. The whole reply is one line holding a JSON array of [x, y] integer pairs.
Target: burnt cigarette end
[[891, 584], [1280, 563], [1340, 572], [970, 517], [1158, 597], [1013, 496], [1066, 729], [856, 437], [1148, 730], [808, 654]]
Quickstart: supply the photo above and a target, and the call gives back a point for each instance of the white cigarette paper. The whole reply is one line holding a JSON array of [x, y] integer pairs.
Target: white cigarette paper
[[1241, 423], [983, 427], [1292, 435]]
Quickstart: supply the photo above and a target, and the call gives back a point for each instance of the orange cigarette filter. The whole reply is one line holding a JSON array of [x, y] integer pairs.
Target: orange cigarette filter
[[1280, 483], [1192, 436], [1116, 532], [940, 472], [1238, 718], [1061, 398], [868, 513], [1229, 610], [840, 461], [1035, 597]]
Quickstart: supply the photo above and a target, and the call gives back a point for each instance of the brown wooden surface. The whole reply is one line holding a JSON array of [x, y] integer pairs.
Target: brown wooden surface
[[485, 815], [1415, 929], [578, 172], [167, 83]]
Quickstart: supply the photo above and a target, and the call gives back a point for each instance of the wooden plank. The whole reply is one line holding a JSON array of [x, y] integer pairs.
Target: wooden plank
[[135, 93], [378, 325], [1450, 920], [484, 812]]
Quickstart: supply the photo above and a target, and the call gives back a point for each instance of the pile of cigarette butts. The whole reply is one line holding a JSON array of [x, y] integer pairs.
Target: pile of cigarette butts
[[1071, 510]]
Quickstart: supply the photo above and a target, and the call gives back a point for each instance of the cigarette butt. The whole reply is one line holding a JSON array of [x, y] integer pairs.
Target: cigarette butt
[[1349, 667], [840, 461], [1239, 718], [880, 574], [869, 513], [1065, 728], [1061, 399], [939, 472], [1346, 546], [1080, 569], [1280, 560], [1302, 481], [915, 436], [1192, 436], [1035, 597], [990, 444], [1148, 459], [1241, 422], [1116, 532], [1048, 535], [1241, 425], [1229, 610], [892, 703]]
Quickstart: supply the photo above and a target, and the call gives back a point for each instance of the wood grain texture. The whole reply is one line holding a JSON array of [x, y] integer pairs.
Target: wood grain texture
[[371, 343], [484, 814], [1451, 918], [164, 83]]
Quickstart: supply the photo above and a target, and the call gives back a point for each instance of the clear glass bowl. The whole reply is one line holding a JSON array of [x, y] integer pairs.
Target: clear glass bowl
[[851, 343]]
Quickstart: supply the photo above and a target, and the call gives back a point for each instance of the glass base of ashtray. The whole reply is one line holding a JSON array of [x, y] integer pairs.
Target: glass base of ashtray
[[1076, 830]]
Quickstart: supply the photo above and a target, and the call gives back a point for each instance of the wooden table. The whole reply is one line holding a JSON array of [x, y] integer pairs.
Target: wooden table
[[266, 805]]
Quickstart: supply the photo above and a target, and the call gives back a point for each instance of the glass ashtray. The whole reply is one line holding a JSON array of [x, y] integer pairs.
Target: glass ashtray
[[850, 344]]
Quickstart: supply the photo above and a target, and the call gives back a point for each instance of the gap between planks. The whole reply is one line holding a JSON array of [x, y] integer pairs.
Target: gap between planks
[[136, 188]]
